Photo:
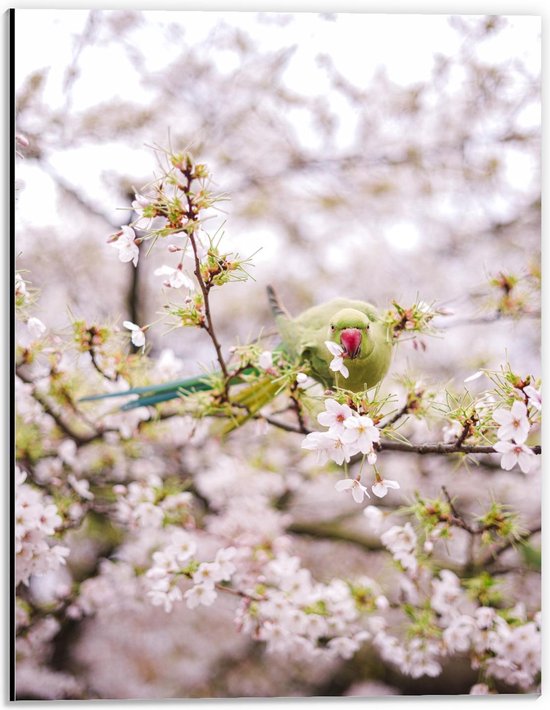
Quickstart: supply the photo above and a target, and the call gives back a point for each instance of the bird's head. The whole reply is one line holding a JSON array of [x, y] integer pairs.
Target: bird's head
[[351, 330]]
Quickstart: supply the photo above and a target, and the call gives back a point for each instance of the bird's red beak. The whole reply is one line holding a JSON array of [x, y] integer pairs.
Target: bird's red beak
[[350, 338]]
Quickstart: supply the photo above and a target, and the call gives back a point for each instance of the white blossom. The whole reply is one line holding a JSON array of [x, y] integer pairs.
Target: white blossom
[[337, 364], [514, 423], [176, 277], [475, 376], [375, 518], [200, 594], [335, 416], [226, 568], [361, 432], [380, 488], [35, 327], [36, 520], [479, 689], [446, 593], [458, 634], [165, 597], [265, 361], [138, 336], [20, 287], [358, 491], [128, 250], [343, 646], [81, 486], [328, 446], [516, 454], [400, 538]]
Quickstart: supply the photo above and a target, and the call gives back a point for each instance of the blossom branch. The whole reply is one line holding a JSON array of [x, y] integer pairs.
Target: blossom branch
[[457, 519], [98, 368], [442, 448], [396, 417], [79, 439], [208, 324], [384, 445], [193, 217]]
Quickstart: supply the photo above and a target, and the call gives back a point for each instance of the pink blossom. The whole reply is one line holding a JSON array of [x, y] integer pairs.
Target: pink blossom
[[516, 454], [514, 423], [335, 416]]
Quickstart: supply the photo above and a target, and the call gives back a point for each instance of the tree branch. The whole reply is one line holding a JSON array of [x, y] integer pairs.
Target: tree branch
[[437, 448], [441, 449], [330, 531], [208, 326], [192, 216], [396, 417]]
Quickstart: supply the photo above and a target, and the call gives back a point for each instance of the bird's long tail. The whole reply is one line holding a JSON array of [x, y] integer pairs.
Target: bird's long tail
[[154, 394], [247, 402], [275, 304]]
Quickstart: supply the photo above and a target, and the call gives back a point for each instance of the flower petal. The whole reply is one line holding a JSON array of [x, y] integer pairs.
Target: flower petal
[[138, 338], [519, 410], [475, 376], [358, 492], [344, 484], [164, 271], [526, 460], [334, 348], [379, 489]]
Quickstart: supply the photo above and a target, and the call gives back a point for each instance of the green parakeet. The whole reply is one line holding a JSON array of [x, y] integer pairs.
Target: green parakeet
[[355, 329], [342, 343]]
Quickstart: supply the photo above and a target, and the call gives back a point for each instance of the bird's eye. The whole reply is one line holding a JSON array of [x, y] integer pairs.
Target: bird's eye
[[332, 327]]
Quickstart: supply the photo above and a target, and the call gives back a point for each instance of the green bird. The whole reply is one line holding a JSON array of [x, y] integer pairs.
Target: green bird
[[342, 343]]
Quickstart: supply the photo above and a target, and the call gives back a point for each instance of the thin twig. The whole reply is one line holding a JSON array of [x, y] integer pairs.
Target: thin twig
[[99, 369], [208, 325], [457, 519], [400, 413]]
